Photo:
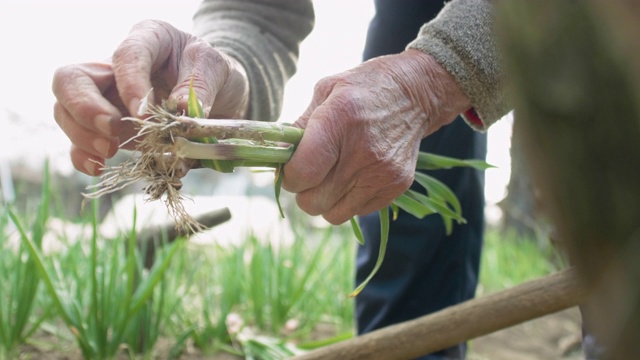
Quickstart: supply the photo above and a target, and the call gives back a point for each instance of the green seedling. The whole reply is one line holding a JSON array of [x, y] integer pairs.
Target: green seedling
[[19, 278], [99, 301]]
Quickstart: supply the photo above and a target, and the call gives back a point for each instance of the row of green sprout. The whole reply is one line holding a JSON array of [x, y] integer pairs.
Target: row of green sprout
[[97, 293], [93, 292]]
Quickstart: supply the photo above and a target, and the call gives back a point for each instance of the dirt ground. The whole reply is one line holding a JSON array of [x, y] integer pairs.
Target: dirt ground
[[553, 337]]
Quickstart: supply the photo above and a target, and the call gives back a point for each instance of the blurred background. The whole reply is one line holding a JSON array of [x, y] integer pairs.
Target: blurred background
[[40, 36]]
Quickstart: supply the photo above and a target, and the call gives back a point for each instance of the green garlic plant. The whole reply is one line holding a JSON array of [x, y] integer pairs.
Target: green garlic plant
[[171, 144]]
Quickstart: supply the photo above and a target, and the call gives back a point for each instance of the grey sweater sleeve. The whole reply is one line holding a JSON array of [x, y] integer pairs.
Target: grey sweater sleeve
[[461, 39], [264, 35]]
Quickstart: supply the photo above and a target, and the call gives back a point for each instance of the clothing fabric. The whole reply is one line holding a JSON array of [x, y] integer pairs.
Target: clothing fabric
[[461, 40], [264, 35], [424, 269]]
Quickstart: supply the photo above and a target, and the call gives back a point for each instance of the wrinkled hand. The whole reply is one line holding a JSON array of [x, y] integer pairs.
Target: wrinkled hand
[[92, 98], [363, 131]]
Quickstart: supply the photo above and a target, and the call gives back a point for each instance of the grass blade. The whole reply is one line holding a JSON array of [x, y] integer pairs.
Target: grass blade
[[39, 264], [437, 205], [428, 161], [356, 230], [277, 185], [384, 237], [145, 289], [411, 205], [438, 189]]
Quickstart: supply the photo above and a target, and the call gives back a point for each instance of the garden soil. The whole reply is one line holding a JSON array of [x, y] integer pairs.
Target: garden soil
[[555, 336]]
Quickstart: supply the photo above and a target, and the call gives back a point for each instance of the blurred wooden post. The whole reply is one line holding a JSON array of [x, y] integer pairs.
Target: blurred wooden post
[[150, 238], [574, 71]]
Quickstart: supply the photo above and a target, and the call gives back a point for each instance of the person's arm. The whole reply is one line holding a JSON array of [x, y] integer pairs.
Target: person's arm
[[461, 39], [264, 36]]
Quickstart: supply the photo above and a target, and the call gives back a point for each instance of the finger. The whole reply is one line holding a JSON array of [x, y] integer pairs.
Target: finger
[[320, 146], [148, 47], [343, 211], [321, 92], [91, 142], [205, 69], [339, 200], [322, 198], [370, 188], [85, 162], [356, 202], [219, 82], [124, 129], [79, 90], [315, 156]]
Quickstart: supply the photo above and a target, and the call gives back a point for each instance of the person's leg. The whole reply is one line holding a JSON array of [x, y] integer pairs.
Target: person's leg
[[424, 269]]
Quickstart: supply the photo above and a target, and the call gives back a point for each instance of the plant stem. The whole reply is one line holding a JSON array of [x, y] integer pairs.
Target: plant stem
[[184, 148]]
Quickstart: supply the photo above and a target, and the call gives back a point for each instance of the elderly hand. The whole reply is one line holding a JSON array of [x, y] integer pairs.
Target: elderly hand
[[363, 131], [92, 98]]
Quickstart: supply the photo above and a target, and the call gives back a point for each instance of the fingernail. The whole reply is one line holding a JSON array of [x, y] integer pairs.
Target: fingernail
[[134, 106], [90, 167], [102, 146], [102, 122], [143, 108]]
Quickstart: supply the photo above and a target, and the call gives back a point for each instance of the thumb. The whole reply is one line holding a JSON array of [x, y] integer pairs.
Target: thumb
[[214, 81], [321, 92]]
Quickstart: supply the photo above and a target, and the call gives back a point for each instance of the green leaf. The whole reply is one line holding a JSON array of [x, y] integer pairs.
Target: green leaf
[[194, 109], [356, 230], [44, 274], [316, 344], [145, 289], [428, 161], [277, 184], [448, 224], [39, 227], [414, 207], [384, 237], [395, 210], [441, 195], [438, 189], [437, 205]]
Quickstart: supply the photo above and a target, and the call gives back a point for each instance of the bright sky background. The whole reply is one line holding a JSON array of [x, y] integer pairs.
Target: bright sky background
[[39, 36]]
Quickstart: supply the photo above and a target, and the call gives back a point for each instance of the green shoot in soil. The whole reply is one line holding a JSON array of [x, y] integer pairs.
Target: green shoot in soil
[[19, 279], [99, 311]]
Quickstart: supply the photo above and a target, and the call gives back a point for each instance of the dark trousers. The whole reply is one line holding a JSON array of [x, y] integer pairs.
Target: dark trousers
[[424, 270]]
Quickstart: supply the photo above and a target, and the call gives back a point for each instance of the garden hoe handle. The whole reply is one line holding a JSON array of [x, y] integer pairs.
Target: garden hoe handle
[[462, 322]]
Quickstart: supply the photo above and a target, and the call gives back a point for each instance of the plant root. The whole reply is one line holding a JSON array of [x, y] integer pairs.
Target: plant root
[[153, 163]]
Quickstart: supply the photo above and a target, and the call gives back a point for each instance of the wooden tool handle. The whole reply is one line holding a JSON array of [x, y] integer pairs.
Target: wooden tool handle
[[462, 322]]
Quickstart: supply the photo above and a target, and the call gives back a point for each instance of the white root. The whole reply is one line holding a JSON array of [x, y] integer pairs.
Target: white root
[[154, 164]]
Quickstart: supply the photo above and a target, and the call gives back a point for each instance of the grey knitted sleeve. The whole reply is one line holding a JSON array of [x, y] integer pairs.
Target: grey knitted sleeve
[[461, 39], [264, 35]]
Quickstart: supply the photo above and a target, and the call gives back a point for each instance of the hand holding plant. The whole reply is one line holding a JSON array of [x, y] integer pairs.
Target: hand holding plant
[[92, 98], [169, 145]]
